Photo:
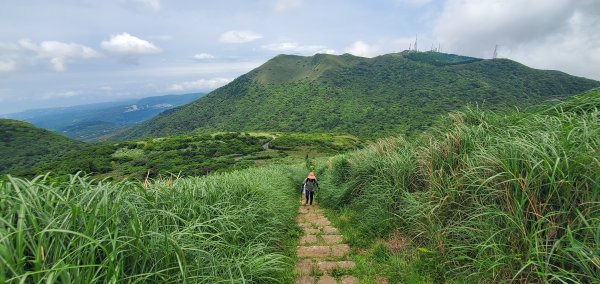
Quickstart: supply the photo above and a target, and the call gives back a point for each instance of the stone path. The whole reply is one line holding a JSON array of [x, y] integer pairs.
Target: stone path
[[321, 250]]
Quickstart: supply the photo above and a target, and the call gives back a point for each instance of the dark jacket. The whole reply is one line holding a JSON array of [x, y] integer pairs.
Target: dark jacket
[[310, 185]]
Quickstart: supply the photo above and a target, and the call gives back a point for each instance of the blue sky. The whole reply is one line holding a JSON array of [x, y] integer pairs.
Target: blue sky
[[68, 52]]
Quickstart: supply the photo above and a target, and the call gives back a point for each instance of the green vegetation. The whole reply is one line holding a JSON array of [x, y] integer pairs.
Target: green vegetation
[[393, 94], [184, 155], [225, 228], [482, 197], [23, 145], [440, 59], [316, 144]]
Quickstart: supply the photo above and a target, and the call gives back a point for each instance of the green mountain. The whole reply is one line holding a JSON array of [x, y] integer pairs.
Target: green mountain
[[369, 97], [99, 121], [23, 145]]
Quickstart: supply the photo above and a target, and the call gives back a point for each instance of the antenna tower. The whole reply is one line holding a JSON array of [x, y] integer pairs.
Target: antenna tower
[[495, 52], [416, 38]]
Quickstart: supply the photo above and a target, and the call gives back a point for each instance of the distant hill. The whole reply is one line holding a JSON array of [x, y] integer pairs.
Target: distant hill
[[370, 97], [28, 151], [94, 121], [23, 145]]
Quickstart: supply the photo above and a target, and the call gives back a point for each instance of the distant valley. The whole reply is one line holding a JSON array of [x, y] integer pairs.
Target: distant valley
[[96, 122]]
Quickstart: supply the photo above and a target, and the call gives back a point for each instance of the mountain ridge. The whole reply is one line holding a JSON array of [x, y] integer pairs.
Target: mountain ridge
[[92, 122], [370, 97]]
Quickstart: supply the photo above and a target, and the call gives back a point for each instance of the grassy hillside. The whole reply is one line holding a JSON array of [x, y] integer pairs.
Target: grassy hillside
[[227, 228], [23, 145], [183, 155], [482, 197], [369, 97]]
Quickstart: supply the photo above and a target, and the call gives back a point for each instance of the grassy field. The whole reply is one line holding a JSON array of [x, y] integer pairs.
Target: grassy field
[[482, 197], [224, 228]]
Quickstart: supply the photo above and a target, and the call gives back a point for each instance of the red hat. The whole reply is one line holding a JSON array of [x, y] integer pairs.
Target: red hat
[[311, 175]]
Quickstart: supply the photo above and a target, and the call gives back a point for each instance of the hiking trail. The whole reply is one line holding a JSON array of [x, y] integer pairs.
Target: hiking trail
[[322, 256]]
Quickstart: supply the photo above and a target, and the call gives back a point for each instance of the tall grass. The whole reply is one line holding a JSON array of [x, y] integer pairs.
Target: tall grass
[[494, 197], [226, 228]]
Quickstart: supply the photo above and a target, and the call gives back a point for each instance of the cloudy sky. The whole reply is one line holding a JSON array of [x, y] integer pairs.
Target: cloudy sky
[[67, 52]]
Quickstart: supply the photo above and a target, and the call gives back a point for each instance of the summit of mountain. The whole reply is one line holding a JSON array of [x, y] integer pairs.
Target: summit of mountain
[[369, 97]]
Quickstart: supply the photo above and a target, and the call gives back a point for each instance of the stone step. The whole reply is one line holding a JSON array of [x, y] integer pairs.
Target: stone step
[[340, 250], [305, 280], [326, 279], [330, 230], [313, 251], [332, 239], [311, 231], [305, 225], [319, 222], [328, 266], [348, 279], [323, 251], [304, 267], [308, 239]]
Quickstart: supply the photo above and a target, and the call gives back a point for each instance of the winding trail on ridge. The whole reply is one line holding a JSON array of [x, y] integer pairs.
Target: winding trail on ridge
[[321, 250], [267, 145]]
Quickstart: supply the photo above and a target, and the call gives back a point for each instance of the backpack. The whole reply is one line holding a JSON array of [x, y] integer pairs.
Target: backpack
[[310, 185]]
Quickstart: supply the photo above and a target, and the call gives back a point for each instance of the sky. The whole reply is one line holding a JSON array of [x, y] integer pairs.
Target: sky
[[69, 52]]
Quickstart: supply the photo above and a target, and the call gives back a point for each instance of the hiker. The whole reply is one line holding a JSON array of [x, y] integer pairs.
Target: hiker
[[310, 185]]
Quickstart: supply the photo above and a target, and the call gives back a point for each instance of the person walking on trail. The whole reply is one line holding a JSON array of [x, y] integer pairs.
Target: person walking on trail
[[310, 185]]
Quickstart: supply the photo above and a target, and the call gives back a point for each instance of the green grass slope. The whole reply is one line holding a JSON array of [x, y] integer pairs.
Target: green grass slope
[[23, 145], [368, 97], [227, 228], [482, 197], [181, 155]]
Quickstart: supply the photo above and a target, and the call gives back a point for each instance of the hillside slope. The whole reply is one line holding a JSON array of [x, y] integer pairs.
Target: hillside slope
[[23, 145], [482, 197], [369, 97], [94, 122]]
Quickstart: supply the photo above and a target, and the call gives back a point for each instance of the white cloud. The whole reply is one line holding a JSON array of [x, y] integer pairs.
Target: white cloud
[[127, 45], [8, 65], [61, 94], [285, 5], [413, 2], [154, 5], [203, 56], [295, 47], [202, 84], [363, 49], [560, 34], [239, 36], [473, 24], [58, 52]]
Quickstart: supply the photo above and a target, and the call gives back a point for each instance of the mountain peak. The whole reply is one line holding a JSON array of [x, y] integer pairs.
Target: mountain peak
[[285, 68], [369, 97]]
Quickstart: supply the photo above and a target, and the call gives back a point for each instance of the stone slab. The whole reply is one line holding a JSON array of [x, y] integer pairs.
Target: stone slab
[[313, 251]]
